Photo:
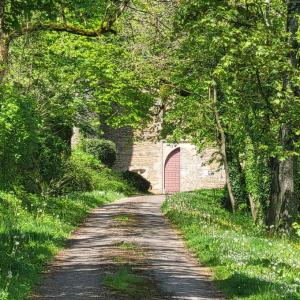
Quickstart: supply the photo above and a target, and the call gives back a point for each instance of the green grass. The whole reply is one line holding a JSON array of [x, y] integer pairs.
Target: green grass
[[33, 230], [126, 282], [123, 219], [128, 246], [246, 261], [131, 250]]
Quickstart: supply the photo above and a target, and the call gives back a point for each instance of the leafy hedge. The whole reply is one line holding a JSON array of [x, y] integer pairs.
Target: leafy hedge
[[103, 150], [83, 172]]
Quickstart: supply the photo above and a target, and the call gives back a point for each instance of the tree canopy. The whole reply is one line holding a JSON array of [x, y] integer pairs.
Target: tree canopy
[[225, 74]]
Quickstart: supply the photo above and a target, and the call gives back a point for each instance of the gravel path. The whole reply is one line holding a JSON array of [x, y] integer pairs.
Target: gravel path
[[79, 271]]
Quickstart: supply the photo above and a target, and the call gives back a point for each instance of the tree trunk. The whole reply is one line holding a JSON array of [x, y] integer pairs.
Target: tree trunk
[[4, 44], [273, 213], [283, 201], [293, 10], [236, 173], [253, 208], [223, 149], [4, 49]]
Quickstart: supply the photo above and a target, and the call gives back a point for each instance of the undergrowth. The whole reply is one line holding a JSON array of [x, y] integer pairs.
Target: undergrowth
[[246, 261], [33, 229], [84, 172]]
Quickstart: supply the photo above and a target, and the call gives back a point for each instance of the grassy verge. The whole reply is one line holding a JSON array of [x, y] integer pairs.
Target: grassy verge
[[247, 263], [33, 230]]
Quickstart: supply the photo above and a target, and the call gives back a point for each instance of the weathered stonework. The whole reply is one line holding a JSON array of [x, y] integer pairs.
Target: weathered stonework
[[148, 158]]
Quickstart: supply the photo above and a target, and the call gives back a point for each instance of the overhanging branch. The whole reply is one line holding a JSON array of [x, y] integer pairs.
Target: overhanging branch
[[112, 20], [60, 27], [106, 26]]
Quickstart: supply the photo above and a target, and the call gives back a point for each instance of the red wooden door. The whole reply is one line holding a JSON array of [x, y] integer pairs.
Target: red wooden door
[[172, 172]]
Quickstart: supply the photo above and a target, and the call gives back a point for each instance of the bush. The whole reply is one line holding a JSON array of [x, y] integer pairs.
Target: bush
[[103, 150], [137, 180], [18, 138], [83, 172]]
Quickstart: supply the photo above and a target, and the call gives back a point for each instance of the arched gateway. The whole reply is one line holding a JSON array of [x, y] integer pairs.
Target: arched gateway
[[172, 172], [169, 167]]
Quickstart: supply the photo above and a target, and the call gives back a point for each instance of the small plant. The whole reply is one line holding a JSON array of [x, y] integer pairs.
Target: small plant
[[128, 245], [122, 218], [125, 219], [296, 227], [119, 260], [126, 282]]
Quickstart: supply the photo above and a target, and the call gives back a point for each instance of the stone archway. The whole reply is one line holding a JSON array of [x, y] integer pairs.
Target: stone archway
[[172, 172]]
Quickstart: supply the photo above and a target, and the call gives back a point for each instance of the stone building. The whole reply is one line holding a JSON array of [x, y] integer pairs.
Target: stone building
[[169, 167]]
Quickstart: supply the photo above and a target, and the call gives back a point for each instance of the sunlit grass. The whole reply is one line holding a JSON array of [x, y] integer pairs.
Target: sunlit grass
[[131, 250], [33, 230], [247, 262], [122, 218], [128, 246]]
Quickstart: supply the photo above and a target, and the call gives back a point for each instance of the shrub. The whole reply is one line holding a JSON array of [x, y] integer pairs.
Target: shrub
[[103, 150], [78, 174], [137, 180], [18, 138], [83, 172]]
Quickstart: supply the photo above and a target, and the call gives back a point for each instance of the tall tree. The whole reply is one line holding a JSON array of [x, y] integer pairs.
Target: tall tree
[[244, 47], [284, 203], [18, 18]]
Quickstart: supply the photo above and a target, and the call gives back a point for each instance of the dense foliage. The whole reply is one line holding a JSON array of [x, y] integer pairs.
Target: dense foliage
[[247, 262], [83, 172], [235, 87], [54, 82], [103, 150], [220, 73]]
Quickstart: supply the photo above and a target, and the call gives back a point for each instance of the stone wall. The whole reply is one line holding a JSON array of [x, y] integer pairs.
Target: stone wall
[[148, 159]]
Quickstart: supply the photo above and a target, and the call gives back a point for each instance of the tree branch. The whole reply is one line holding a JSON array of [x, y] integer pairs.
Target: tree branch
[[264, 95], [61, 27], [106, 26], [118, 14]]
